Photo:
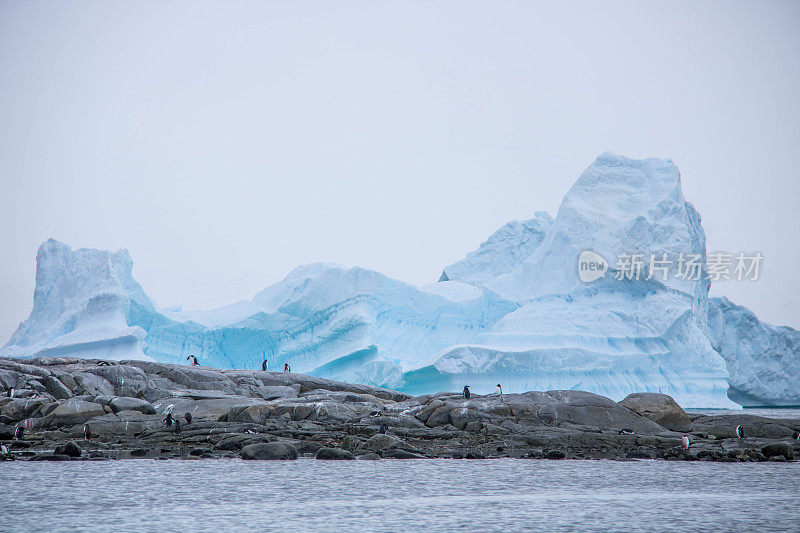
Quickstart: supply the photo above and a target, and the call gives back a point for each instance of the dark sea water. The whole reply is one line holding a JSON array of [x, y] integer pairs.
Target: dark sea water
[[787, 413], [399, 495]]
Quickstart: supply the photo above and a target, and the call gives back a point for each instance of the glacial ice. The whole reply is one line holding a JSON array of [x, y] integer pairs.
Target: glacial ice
[[612, 337], [763, 360], [80, 306], [514, 311], [501, 252]]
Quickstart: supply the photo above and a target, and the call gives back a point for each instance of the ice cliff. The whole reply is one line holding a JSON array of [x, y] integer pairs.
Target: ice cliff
[[514, 311], [80, 306], [763, 360]]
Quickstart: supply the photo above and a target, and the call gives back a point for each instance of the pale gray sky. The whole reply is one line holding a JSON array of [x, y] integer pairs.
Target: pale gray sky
[[225, 143]]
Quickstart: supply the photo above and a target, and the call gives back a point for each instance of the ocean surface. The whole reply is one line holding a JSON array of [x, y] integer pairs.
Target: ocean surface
[[787, 413], [399, 495]]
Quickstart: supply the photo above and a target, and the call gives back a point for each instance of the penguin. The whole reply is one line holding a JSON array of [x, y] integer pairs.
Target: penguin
[[685, 441], [19, 433], [177, 427], [193, 359], [87, 433], [286, 367], [11, 392], [626, 431], [250, 431], [375, 413], [466, 392], [3, 449], [383, 429], [499, 391], [188, 417], [168, 419], [796, 435], [103, 363], [740, 431], [264, 365]]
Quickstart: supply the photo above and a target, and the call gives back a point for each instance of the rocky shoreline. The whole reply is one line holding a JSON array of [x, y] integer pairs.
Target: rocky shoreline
[[251, 414]]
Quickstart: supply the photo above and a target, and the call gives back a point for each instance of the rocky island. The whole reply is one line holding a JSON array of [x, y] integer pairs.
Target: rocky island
[[68, 408]]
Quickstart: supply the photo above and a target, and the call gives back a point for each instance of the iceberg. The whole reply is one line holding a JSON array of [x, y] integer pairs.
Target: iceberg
[[614, 336], [80, 306], [516, 311], [763, 360], [501, 252]]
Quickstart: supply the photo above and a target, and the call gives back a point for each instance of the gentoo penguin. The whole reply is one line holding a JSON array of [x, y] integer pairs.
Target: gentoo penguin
[[740, 431], [685, 441], [177, 427], [188, 417], [265, 365], [103, 363], [626, 431], [286, 367], [19, 433], [193, 359], [383, 429], [168, 419], [87, 433], [499, 391], [466, 392]]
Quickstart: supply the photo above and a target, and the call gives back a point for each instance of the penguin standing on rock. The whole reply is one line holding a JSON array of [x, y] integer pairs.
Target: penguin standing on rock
[[188, 417], [286, 367], [466, 392], [3, 450], [177, 427], [685, 441], [740, 431], [168, 419], [11, 392], [19, 433], [193, 360], [265, 365], [87, 433]]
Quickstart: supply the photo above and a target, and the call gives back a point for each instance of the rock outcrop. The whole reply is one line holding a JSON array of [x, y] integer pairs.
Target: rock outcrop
[[276, 415]]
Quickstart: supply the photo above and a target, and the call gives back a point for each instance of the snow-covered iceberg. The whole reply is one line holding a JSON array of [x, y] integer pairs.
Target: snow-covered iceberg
[[501, 252], [612, 336], [763, 360], [514, 311], [80, 306]]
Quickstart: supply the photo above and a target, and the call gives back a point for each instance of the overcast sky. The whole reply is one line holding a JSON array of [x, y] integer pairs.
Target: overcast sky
[[224, 144]]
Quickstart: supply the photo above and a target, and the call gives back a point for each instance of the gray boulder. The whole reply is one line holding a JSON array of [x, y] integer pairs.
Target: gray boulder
[[275, 451], [54, 386], [74, 412], [132, 404], [660, 408], [401, 454], [92, 384], [20, 409], [70, 448], [779, 449], [382, 442], [127, 380], [334, 454]]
